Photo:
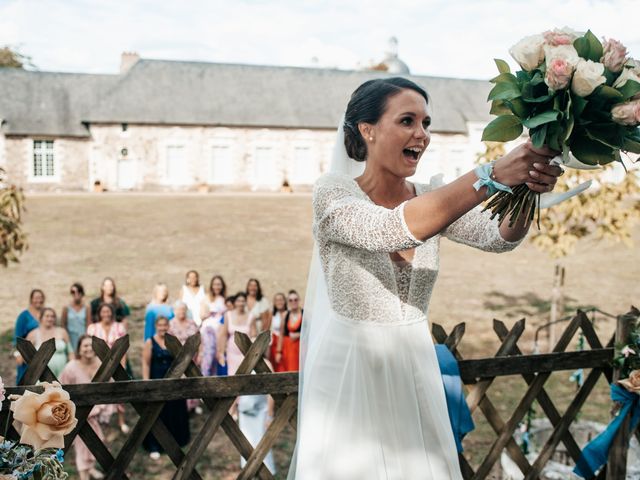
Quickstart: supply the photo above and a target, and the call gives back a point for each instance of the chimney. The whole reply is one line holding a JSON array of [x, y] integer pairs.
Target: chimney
[[128, 60]]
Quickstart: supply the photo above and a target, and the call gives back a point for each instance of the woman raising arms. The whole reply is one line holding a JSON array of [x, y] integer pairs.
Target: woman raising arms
[[372, 403]]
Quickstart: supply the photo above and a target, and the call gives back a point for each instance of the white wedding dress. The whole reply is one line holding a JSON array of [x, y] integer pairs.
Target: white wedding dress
[[372, 402]]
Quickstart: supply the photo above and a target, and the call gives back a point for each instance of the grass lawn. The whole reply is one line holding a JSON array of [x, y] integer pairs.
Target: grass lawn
[[143, 239]]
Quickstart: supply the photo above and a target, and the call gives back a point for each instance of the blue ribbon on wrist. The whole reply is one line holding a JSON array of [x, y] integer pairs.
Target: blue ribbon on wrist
[[596, 453], [484, 172], [459, 413]]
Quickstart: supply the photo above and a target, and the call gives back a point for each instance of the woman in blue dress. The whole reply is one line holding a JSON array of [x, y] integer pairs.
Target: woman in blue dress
[[27, 321], [158, 307], [76, 316]]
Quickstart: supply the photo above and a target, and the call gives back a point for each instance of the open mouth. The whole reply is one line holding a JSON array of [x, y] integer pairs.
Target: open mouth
[[413, 153]]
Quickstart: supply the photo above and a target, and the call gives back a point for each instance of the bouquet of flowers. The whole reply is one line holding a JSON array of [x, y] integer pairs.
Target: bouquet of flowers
[[42, 419], [575, 94]]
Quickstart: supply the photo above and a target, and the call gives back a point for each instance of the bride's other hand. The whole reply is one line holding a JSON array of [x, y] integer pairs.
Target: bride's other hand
[[530, 165]]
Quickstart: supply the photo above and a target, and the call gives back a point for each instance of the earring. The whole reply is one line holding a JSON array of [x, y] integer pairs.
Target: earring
[[371, 139]]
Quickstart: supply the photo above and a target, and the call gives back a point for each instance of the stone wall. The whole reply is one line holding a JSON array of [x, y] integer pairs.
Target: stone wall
[[71, 164], [182, 158]]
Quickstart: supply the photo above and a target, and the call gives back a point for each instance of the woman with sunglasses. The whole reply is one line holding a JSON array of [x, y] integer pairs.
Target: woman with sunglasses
[[77, 315], [288, 353]]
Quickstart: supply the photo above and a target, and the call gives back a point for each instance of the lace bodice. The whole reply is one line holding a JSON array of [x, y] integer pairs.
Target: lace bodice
[[355, 237]]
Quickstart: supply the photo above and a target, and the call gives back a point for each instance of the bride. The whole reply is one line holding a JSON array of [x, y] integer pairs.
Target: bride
[[372, 403]]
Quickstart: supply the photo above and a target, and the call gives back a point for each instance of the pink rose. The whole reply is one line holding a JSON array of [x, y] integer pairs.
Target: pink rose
[[627, 113], [558, 75], [614, 55], [559, 37], [43, 419]]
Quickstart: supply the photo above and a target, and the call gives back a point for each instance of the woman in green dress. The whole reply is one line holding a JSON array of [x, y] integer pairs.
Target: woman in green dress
[[48, 330]]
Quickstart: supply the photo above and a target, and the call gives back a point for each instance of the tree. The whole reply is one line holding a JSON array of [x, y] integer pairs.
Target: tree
[[607, 211], [10, 57], [13, 240]]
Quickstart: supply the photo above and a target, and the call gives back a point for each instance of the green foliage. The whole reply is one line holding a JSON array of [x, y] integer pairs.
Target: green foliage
[[12, 58], [502, 129], [606, 213], [589, 47], [13, 240]]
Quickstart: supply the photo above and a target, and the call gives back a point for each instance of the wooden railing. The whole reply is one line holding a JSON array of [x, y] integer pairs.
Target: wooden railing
[[184, 381]]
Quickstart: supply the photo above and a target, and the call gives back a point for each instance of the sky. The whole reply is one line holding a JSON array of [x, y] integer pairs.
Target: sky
[[450, 38]]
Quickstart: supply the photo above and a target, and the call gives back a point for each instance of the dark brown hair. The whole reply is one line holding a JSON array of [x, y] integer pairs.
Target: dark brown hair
[[223, 292], [368, 103]]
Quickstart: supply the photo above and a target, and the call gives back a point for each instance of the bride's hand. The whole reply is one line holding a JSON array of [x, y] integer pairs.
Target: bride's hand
[[530, 165]]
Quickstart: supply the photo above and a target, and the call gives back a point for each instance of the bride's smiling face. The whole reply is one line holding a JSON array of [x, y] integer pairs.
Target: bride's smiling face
[[398, 140]]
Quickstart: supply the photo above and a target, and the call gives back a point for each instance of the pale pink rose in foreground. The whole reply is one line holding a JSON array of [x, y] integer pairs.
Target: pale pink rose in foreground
[[43, 419], [627, 350], [627, 113], [587, 77], [614, 55], [558, 74], [633, 382], [567, 52], [557, 37], [528, 52]]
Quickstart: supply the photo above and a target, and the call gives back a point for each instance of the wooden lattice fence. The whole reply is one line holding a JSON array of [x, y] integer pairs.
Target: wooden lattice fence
[[111, 384]]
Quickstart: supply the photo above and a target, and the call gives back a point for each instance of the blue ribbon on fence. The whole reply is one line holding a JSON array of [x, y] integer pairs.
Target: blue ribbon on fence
[[595, 454], [459, 413]]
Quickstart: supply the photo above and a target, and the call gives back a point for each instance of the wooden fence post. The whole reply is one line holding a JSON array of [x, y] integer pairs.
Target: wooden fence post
[[617, 464]]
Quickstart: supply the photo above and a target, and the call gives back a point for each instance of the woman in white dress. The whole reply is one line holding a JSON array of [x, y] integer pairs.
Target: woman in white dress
[[372, 403], [258, 305], [192, 294]]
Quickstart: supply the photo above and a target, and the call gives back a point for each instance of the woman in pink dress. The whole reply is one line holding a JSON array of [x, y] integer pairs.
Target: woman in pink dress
[[212, 313], [109, 330], [82, 370], [236, 320]]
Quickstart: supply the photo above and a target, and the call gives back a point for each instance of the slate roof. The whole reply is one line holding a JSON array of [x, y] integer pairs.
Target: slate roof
[[164, 92]]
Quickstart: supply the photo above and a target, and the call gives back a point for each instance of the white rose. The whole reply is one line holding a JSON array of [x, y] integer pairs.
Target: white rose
[[528, 52], [566, 52], [587, 77], [627, 74]]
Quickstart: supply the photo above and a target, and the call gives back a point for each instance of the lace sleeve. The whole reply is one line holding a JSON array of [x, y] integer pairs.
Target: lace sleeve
[[341, 215], [476, 229]]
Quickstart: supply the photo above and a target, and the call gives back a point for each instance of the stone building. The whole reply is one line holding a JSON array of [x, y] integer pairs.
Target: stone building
[[173, 125]]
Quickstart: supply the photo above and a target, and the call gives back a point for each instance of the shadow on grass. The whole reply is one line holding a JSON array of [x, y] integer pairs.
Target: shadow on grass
[[529, 305]]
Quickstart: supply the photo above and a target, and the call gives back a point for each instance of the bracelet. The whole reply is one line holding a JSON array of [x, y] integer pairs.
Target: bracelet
[[486, 178]]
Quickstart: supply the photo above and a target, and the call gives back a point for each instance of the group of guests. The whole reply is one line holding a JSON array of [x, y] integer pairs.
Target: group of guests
[[209, 311]]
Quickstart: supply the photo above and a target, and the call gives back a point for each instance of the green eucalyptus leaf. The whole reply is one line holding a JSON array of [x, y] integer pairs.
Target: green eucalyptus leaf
[[504, 91], [499, 107], [523, 77], [537, 79], [590, 151], [578, 104], [609, 134], [581, 45], [631, 145], [505, 77], [502, 129], [545, 117], [629, 89], [503, 67], [518, 107], [595, 47], [608, 93], [538, 135], [610, 76]]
